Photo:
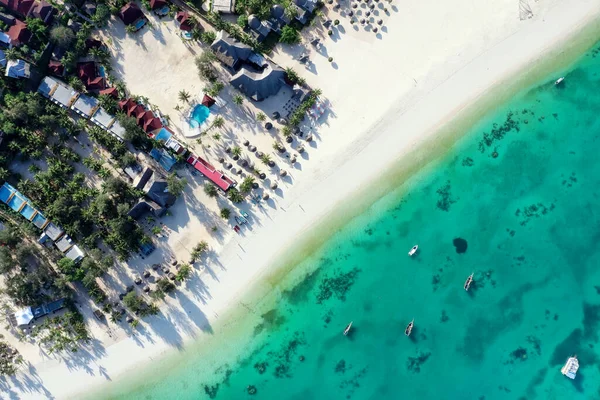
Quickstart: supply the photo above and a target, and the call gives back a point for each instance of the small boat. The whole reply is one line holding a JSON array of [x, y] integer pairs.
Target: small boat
[[243, 220], [413, 250], [571, 367], [244, 214], [468, 282], [559, 81], [347, 330], [409, 328]]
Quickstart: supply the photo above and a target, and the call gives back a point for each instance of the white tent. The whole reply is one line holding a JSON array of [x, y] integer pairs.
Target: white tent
[[24, 316]]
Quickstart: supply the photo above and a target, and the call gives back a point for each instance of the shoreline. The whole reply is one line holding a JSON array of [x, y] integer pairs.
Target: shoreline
[[326, 207]]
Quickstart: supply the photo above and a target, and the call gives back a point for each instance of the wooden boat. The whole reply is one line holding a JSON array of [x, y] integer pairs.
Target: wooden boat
[[409, 327], [413, 250], [570, 368], [347, 330], [468, 282], [559, 81]]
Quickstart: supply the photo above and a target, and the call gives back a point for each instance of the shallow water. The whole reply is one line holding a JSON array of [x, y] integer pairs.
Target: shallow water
[[522, 190]]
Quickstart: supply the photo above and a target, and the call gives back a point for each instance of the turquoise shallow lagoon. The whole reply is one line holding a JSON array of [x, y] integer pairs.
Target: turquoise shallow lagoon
[[522, 190]]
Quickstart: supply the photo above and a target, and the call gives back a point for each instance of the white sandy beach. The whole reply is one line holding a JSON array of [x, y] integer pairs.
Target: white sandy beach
[[389, 96]]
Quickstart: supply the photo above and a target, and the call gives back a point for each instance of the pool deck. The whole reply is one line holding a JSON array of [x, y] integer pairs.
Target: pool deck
[[189, 131]]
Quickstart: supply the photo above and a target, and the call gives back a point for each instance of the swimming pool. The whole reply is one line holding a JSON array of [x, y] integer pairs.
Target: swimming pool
[[199, 115]]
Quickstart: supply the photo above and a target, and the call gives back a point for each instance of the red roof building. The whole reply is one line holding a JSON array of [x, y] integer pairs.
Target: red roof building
[[43, 11], [137, 112], [126, 105], [93, 43], [19, 6], [56, 68], [130, 13], [87, 72], [111, 91], [210, 172], [185, 22], [156, 4], [18, 33], [30, 8]]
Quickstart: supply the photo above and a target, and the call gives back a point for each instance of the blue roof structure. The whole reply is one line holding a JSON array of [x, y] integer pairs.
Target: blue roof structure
[[39, 220], [164, 159], [5, 192], [28, 211], [16, 202], [2, 58]]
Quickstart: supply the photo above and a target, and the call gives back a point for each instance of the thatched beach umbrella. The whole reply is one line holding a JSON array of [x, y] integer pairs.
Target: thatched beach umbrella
[[246, 142], [146, 289], [309, 138], [274, 185], [362, 21], [289, 139], [266, 196], [354, 5], [171, 276], [283, 172], [155, 266], [350, 13], [268, 126], [380, 22], [252, 148], [129, 319], [368, 13], [259, 154], [375, 29], [146, 274], [271, 163], [138, 281], [255, 185]]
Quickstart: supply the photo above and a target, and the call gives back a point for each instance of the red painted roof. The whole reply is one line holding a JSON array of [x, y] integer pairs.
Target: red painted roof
[[18, 33], [92, 43], [210, 172], [126, 105], [56, 67], [154, 4], [42, 10], [21, 6], [96, 83], [185, 22], [86, 70], [137, 111], [111, 91], [130, 13], [152, 125]]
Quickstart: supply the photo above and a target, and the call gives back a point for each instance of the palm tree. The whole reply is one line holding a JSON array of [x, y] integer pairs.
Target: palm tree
[[235, 196], [130, 29], [100, 55], [236, 151], [11, 54], [266, 159], [210, 190], [218, 122], [238, 99], [217, 136], [246, 185], [261, 117], [200, 248], [184, 96], [225, 213]]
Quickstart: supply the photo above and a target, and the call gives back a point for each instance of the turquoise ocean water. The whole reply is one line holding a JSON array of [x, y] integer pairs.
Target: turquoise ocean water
[[522, 190]]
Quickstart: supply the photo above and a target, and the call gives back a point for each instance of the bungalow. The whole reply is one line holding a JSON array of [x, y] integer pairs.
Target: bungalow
[[160, 7], [56, 68], [7, 19], [18, 33], [229, 51], [259, 85], [157, 197], [149, 122], [75, 254], [64, 244], [131, 14], [117, 130], [157, 191], [88, 74], [186, 23], [30, 8], [223, 6], [18, 69], [111, 91], [85, 106], [260, 29], [57, 92], [25, 316], [278, 18], [308, 5], [102, 118]]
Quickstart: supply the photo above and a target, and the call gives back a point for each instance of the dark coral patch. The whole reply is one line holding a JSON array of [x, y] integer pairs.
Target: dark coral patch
[[460, 245]]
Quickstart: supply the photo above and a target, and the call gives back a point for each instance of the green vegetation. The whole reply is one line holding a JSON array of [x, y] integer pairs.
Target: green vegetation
[[298, 115], [235, 196], [210, 189], [289, 35], [175, 185], [62, 333], [206, 68], [238, 99], [9, 362], [199, 249], [62, 36], [184, 96], [184, 272], [246, 185], [225, 213]]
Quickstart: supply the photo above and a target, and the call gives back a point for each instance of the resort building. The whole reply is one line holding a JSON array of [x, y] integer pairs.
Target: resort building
[[131, 14], [278, 18], [156, 194], [259, 29], [185, 22], [57, 92], [30, 8], [21, 204], [223, 6], [25, 316], [88, 74], [159, 7], [231, 52], [258, 85], [56, 68], [18, 33], [18, 69], [85, 106], [206, 169]]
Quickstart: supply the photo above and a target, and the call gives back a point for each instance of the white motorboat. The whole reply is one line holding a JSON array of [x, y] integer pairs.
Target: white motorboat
[[347, 330], [559, 81], [409, 328], [413, 250], [468, 282], [571, 367]]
